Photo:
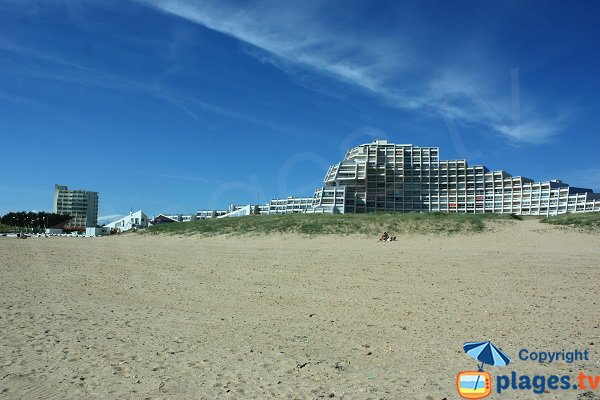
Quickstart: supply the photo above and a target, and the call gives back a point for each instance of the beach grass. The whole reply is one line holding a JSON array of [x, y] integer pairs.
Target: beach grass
[[335, 224], [9, 228], [589, 222]]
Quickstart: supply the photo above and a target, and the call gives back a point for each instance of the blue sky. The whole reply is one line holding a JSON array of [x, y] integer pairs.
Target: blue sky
[[173, 106]]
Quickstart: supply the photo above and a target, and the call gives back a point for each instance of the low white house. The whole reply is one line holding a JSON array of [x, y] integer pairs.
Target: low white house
[[239, 212], [134, 220], [181, 217], [104, 231]]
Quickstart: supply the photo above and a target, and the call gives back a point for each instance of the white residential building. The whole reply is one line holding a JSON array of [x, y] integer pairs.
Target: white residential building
[[81, 205], [181, 217], [289, 205], [239, 212], [382, 176], [387, 177], [136, 219], [204, 214], [104, 231]]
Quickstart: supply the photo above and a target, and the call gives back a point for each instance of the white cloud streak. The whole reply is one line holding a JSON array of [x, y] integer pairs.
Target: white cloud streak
[[298, 34], [82, 75]]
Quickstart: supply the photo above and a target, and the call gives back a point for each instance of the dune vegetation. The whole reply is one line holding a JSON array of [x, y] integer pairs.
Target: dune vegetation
[[589, 222], [337, 224]]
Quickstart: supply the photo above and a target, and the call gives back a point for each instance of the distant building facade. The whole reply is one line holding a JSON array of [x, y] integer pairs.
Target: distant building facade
[[388, 177], [103, 231], [384, 177], [288, 205], [204, 214], [239, 212], [232, 210], [137, 220], [162, 219], [181, 217], [81, 205]]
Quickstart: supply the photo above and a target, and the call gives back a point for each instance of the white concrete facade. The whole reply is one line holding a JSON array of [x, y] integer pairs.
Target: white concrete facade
[[137, 220], [381, 177], [289, 205], [239, 212], [104, 231], [181, 217]]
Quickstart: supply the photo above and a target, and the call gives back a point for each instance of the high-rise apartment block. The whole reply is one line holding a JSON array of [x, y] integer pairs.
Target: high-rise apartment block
[[81, 205], [383, 177]]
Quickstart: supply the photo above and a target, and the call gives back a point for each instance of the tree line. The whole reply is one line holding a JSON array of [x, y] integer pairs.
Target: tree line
[[34, 220]]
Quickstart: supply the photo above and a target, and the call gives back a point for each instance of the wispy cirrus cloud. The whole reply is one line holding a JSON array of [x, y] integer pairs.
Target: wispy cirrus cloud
[[62, 69], [471, 89]]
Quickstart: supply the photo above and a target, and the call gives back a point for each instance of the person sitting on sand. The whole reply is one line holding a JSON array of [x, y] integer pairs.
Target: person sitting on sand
[[385, 237]]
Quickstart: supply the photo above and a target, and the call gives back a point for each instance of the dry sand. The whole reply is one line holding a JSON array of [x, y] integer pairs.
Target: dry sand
[[289, 317]]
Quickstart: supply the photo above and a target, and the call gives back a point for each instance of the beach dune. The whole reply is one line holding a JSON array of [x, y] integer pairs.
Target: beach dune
[[142, 316]]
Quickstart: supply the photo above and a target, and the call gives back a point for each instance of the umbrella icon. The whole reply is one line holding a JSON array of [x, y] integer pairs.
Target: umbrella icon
[[487, 353]]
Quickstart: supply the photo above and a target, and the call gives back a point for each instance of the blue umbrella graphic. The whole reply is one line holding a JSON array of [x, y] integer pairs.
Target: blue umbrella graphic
[[487, 353]]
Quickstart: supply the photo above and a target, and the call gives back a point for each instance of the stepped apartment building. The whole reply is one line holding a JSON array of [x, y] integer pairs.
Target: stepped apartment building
[[383, 177], [288, 205], [81, 205]]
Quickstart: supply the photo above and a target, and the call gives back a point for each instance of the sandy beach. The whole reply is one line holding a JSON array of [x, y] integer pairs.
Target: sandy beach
[[151, 317]]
